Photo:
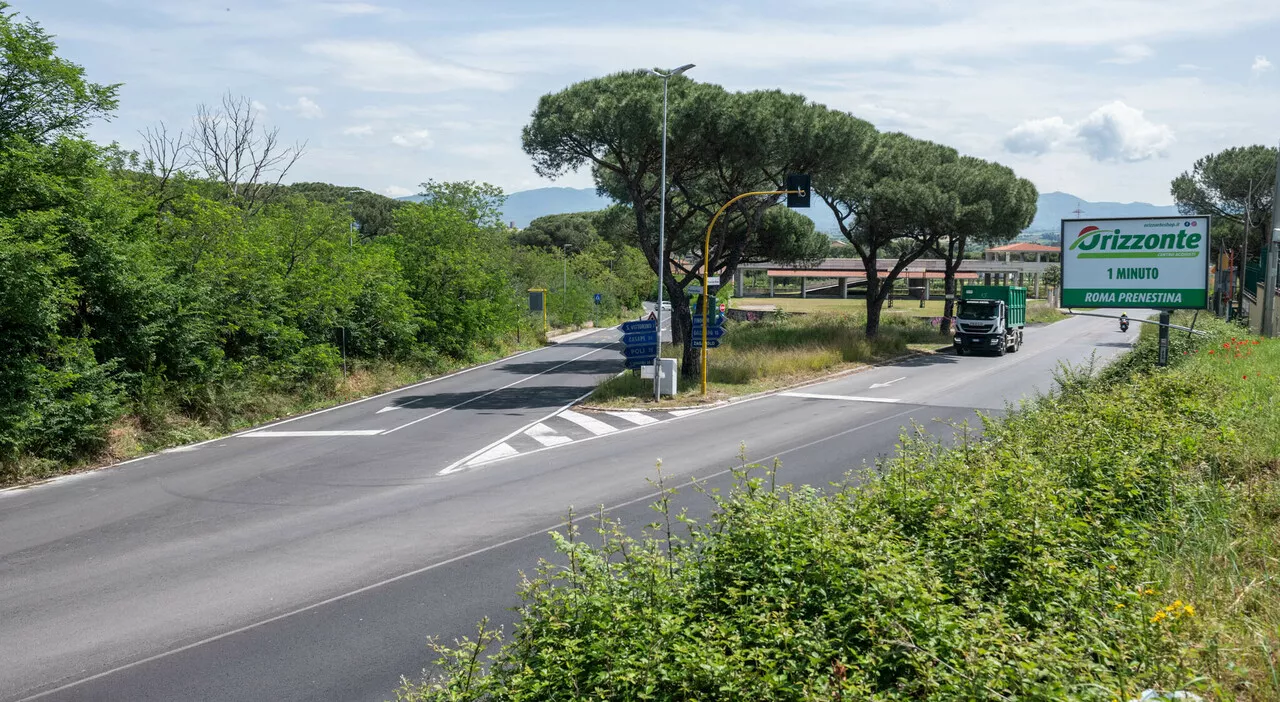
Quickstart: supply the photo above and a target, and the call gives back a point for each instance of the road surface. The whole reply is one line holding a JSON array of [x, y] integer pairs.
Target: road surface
[[311, 559]]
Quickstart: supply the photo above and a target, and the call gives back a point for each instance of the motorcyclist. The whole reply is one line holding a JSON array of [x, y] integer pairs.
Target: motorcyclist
[[1124, 321]]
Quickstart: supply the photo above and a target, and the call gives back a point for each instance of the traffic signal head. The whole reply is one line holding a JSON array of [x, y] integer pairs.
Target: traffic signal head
[[798, 182]]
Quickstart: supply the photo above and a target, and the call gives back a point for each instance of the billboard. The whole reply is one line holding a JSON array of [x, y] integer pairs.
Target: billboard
[[1156, 262]]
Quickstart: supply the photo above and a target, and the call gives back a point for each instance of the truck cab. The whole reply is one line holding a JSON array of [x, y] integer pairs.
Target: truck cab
[[990, 318]]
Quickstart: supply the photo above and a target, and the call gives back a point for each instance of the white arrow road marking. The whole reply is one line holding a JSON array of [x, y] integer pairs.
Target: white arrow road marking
[[846, 398], [388, 408], [500, 451], [887, 384]]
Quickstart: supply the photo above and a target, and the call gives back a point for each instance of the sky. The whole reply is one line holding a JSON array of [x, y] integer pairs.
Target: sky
[[1105, 99]]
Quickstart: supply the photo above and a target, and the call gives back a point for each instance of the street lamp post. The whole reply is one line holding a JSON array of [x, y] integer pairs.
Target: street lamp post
[[662, 228]]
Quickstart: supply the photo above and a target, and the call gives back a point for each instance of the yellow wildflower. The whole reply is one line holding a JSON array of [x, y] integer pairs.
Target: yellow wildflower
[[1191, 611]]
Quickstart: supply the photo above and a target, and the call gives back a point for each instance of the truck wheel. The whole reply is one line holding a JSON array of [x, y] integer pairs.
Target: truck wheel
[[1001, 349], [959, 350]]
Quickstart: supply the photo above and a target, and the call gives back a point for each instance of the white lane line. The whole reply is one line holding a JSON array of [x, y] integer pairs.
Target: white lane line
[[634, 417], [546, 436], [591, 424], [887, 383], [500, 451], [846, 398], [277, 434], [504, 387], [686, 412], [388, 408]]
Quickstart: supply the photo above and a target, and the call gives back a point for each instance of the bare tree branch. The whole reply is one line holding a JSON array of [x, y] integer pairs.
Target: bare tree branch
[[247, 160]]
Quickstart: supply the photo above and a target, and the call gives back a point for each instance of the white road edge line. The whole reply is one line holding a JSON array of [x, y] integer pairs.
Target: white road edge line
[[335, 432], [504, 387], [470, 554], [846, 398]]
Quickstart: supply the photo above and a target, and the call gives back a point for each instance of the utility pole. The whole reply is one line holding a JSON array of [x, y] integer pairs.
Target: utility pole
[[1273, 253], [662, 228]]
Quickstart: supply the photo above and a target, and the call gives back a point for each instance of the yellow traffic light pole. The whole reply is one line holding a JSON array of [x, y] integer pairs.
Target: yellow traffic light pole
[[706, 267]]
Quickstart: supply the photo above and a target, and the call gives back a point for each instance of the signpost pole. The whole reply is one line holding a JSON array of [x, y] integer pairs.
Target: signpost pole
[[1164, 338], [1273, 253]]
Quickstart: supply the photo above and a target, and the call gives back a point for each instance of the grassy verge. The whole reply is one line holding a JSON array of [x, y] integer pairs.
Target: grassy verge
[[1114, 537], [160, 422], [759, 356]]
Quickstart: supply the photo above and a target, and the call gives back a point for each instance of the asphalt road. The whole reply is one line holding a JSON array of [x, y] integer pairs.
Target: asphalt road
[[311, 559]]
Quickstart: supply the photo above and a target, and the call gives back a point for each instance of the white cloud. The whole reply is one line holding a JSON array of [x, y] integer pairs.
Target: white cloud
[[303, 90], [258, 107], [1130, 53], [384, 66], [418, 139], [307, 108], [1261, 64], [1117, 132], [359, 130], [1038, 136], [397, 191], [1113, 132]]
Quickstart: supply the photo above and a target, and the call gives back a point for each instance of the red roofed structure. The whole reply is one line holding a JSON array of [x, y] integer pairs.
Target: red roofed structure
[[1022, 251]]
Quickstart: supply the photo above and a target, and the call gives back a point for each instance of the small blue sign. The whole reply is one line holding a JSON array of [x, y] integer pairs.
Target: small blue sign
[[712, 332], [647, 351], [640, 325], [639, 362], [712, 320], [640, 338], [599, 297], [711, 343]]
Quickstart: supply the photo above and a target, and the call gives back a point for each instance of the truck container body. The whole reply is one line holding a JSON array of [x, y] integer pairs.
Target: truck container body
[[990, 318]]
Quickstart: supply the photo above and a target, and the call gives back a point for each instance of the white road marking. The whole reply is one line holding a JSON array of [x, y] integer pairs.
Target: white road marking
[[685, 412], [466, 461], [887, 383], [504, 387], [634, 417], [591, 424], [388, 408], [500, 451], [546, 436], [846, 398], [277, 434]]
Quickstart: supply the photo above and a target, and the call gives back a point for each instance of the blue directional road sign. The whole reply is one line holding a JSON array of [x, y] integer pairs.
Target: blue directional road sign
[[640, 325], [633, 363], [645, 351], [712, 333], [713, 320], [711, 342], [640, 338]]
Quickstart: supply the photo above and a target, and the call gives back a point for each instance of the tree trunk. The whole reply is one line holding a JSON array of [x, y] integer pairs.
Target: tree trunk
[[875, 300], [952, 264]]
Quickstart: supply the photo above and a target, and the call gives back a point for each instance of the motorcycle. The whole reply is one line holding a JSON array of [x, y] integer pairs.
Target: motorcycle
[[1124, 324]]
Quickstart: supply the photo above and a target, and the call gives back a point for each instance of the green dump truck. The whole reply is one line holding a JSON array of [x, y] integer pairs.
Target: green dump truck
[[990, 318]]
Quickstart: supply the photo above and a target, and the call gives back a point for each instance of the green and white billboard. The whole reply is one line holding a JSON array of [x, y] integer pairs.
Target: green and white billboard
[[1157, 262]]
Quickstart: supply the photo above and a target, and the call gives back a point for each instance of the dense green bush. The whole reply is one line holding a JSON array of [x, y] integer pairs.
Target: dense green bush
[[1017, 565]]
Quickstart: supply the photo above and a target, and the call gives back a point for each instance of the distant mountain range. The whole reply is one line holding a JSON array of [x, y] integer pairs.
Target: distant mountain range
[[527, 205]]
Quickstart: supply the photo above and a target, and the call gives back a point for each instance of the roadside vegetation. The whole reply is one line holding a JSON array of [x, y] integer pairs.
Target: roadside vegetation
[[789, 349], [175, 293], [1115, 536]]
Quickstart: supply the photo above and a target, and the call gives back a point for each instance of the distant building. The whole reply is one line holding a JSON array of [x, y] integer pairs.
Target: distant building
[[1024, 252]]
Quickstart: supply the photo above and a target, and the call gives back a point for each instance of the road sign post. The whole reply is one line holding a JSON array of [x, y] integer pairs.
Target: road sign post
[[538, 303]]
